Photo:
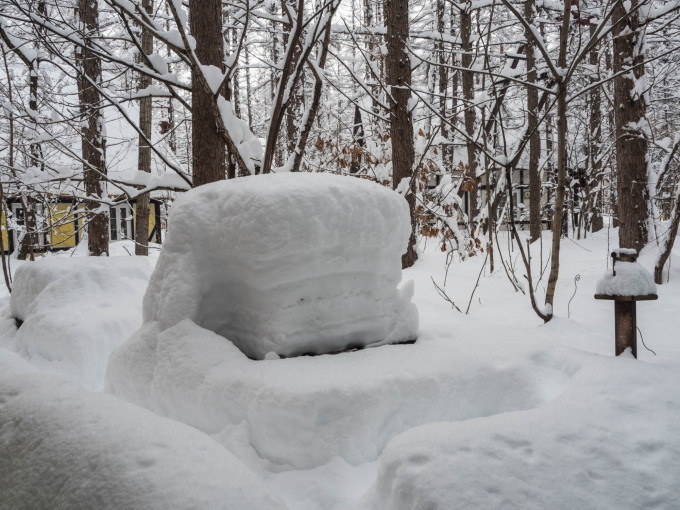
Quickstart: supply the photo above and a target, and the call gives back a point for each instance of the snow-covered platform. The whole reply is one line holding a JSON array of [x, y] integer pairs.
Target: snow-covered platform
[[287, 263]]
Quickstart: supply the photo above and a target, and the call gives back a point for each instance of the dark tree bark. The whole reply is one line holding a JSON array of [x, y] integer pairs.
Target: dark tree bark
[[468, 83], [535, 135], [561, 164], [443, 88], [596, 222], [629, 114], [144, 151], [208, 147], [359, 141], [401, 125], [92, 134], [296, 94]]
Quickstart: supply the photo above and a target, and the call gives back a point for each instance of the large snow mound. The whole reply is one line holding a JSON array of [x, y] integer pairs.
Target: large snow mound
[[64, 448], [287, 263], [610, 441], [75, 311], [302, 412]]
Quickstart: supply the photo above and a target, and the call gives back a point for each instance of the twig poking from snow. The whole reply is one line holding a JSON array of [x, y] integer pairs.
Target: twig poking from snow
[[477, 282], [643, 342], [443, 294]]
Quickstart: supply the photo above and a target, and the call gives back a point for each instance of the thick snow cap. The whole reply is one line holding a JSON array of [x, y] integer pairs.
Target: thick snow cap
[[287, 263]]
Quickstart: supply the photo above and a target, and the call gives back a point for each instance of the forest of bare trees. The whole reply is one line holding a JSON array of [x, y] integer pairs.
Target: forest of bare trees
[[487, 116]]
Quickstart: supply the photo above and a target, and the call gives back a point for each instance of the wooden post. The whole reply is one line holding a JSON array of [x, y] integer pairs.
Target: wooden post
[[625, 318], [625, 326]]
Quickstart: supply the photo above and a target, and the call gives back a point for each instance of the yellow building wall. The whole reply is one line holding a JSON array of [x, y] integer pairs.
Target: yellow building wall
[[62, 232], [3, 227]]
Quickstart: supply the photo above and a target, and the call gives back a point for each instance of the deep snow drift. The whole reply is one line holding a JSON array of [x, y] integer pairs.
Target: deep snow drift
[[64, 448], [287, 263]]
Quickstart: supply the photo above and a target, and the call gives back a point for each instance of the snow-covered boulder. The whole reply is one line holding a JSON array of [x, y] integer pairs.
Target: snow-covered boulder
[[75, 311], [287, 263]]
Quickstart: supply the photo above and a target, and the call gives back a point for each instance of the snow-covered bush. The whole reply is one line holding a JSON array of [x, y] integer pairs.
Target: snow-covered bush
[[75, 311], [287, 263]]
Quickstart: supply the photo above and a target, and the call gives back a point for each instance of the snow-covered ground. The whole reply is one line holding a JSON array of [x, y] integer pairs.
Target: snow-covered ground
[[489, 409]]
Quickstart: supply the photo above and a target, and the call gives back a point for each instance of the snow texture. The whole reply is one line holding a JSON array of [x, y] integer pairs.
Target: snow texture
[[302, 412], [65, 448], [75, 311], [287, 263], [631, 280], [612, 449]]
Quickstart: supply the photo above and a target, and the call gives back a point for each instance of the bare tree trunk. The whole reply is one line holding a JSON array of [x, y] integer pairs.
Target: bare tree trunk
[[668, 243], [535, 135], [249, 92], [208, 147], [401, 125], [561, 164], [468, 82], [629, 112], [359, 141], [443, 87], [29, 242], [310, 115], [596, 223], [92, 134], [144, 151], [296, 97]]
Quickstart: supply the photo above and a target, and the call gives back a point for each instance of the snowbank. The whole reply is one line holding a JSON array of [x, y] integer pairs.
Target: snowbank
[[301, 412], [609, 442], [64, 448], [631, 280], [287, 263], [75, 311]]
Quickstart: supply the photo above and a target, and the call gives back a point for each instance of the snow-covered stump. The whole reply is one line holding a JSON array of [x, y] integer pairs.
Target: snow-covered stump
[[287, 264], [628, 283]]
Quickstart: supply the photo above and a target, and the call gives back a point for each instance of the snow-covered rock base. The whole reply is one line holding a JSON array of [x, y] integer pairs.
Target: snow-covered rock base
[[75, 311], [287, 263]]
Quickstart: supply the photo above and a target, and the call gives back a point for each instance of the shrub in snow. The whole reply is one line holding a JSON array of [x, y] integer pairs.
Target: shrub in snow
[[75, 311], [287, 263], [631, 280]]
